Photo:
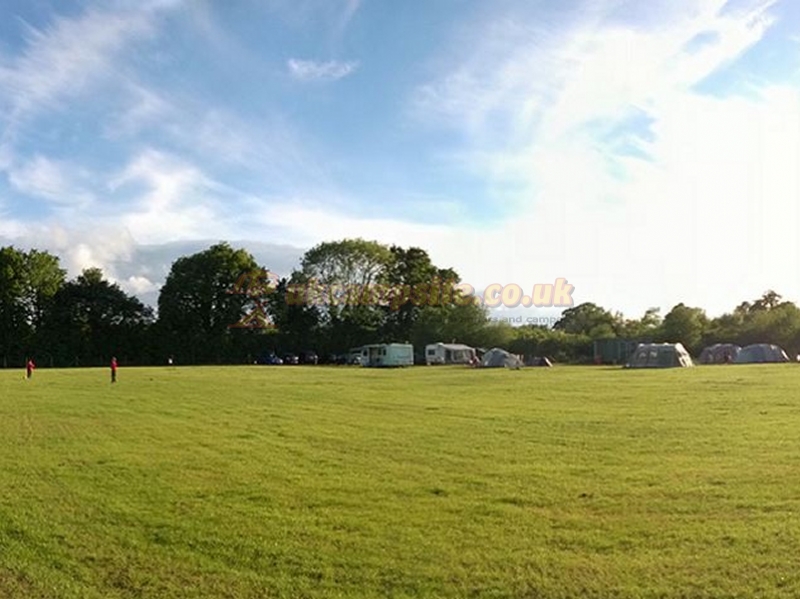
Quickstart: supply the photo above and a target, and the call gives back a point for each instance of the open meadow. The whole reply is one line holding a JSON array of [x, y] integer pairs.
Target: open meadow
[[295, 481]]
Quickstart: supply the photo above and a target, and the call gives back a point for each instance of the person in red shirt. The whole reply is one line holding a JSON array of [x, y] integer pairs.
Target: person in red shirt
[[29, 368], [113, 370]]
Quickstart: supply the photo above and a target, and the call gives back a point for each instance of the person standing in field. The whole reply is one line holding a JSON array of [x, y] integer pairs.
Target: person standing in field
[[29, 367], [113, 370]]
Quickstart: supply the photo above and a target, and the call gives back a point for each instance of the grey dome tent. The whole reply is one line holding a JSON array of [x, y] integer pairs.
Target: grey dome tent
[[659, 355], [499, 358], [720, 353], [761, 353]]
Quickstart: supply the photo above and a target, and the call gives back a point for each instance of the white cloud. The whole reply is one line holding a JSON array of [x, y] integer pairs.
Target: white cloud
[[351, 8], [710, 218], [140, 285], [522, 80], [310, 70], [332, 15], [304, 225], [6, 157], [178, 201], [139, 269], [267, 146], [80, 245], [145, 107], [11, 228], [69, 56], [349, 11], [58, 182], [551, 113]]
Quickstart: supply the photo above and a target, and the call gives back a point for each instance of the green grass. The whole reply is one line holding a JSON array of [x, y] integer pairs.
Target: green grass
[[427, 482]]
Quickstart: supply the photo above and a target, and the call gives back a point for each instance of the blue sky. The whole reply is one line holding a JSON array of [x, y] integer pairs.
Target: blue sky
[[649, 153]]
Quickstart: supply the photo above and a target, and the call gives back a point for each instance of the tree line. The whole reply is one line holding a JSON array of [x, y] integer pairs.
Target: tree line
[[219, 306]]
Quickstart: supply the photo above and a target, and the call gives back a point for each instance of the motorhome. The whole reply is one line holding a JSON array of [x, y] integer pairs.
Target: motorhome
[[387, 354]]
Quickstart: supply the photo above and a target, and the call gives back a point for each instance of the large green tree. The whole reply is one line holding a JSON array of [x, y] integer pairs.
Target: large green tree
[[44, 277], [410, 271], [686, 325], [768, 319], [367, 292], [14, 328], [644, 328], [206, 305], [29, 282], [346, 262], [338, 278], [92, 319], [588, 319], [297, 323]]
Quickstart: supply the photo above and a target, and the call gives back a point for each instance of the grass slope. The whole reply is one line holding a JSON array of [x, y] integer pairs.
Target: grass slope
[[426, 482]]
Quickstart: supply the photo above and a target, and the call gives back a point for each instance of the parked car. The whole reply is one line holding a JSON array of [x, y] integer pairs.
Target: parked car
[[338, 359], [270, 360], [309, 357], [291, 359]]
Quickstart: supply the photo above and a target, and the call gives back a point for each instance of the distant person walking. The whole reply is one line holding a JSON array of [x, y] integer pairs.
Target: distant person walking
[[113, 370], [29, 368]]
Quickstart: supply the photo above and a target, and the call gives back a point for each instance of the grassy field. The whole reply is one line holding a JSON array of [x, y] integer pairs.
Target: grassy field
[[428, 482]]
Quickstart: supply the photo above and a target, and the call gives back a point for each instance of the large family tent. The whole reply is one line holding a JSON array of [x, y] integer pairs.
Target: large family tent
[[499, 358], [719, 353], [761, 353], [659, 355]]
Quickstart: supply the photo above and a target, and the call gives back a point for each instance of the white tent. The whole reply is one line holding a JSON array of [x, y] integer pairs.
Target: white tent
[[499, 358]]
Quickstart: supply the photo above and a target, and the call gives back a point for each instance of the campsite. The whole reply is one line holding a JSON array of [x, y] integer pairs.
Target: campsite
[[430, 451], [324, 481], [351, 299]]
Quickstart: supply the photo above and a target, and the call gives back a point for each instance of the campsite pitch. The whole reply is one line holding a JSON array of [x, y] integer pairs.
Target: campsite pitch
[[426, 482]]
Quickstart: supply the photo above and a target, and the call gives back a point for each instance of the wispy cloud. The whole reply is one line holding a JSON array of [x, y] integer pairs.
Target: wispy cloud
[[58, 182], [172, 198], [349, 11], [141, 109], [599, 130], [311, 70], [332, 16], [267, 147], [6, 157], [67, 57], [586, 123], [573, 71], [568, 83]]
